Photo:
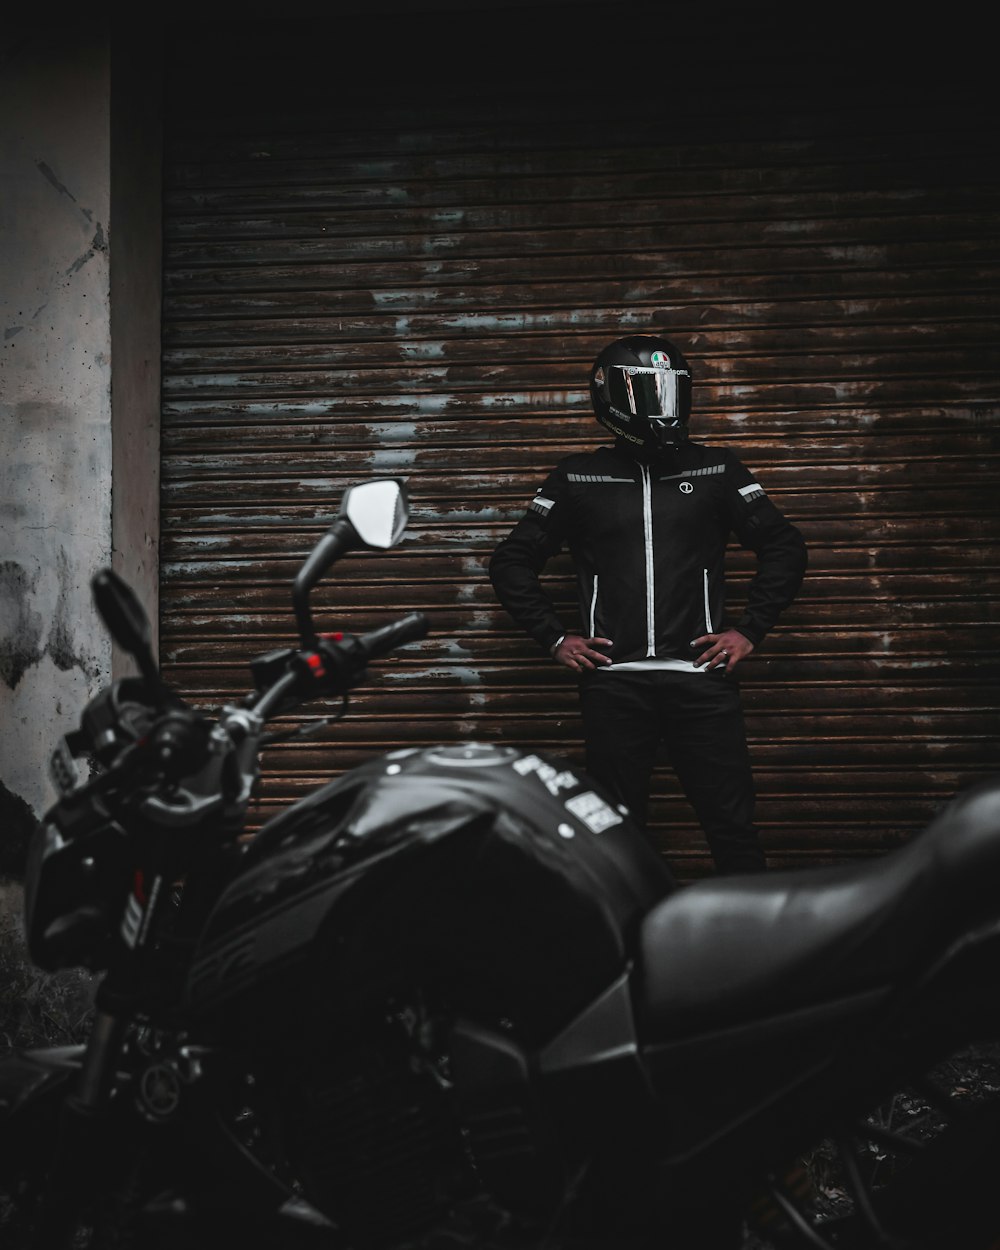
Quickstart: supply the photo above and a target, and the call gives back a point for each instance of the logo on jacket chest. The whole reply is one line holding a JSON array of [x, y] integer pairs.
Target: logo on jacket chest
[[684, 483]]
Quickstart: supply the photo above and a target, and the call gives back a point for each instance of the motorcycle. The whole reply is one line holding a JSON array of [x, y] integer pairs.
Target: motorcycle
[[452, 998]]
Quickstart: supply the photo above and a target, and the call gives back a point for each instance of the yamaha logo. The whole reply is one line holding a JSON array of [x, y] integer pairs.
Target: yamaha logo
[[686, 488]]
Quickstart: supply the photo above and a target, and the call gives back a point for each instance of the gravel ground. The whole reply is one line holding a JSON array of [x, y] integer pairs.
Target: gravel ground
[[970, 1076]]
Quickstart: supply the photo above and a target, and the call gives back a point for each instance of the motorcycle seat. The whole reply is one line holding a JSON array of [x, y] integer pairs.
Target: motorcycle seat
[[737, 948]]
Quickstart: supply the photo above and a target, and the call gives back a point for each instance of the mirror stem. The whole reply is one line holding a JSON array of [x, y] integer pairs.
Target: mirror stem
[[339, 537]]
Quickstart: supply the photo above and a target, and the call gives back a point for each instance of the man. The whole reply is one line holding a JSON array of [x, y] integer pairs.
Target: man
[[647, 522]]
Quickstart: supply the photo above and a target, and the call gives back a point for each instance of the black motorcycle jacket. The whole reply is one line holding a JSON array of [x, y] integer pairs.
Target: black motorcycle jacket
[[648, 543]]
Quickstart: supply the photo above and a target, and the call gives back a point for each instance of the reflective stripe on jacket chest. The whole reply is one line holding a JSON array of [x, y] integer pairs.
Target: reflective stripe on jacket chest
[[647, 532], [650, 560]]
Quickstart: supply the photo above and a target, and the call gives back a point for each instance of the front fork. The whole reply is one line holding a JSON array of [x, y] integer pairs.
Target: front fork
[[80, 1142], [82, 1145], [100, 1062]]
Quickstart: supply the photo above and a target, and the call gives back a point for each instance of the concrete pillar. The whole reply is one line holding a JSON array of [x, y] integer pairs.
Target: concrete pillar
[[60, 441]]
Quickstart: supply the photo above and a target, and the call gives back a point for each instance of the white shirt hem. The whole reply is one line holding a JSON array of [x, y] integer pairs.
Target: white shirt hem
[[677, 666]]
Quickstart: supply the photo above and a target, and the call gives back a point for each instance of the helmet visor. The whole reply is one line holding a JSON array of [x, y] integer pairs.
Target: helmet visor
[[646, 391]]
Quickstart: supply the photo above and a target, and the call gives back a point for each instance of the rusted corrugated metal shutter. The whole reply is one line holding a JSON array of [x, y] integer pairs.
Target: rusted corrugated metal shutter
[[374, 284]]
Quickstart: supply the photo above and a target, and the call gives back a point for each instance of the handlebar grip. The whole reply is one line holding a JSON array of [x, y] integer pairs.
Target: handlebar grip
[[409, 628]]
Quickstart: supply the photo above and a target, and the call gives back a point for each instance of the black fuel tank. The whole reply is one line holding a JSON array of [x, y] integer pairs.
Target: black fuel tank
[[512, 871]]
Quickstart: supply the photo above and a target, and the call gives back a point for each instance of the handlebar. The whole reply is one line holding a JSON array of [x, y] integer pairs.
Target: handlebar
[[166, 761], [409, 628], [334, 666], [220, 765]]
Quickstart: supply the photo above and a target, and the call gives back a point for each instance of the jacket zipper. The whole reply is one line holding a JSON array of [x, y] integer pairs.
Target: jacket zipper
[[593, 610], [647, 524], [708, 606]]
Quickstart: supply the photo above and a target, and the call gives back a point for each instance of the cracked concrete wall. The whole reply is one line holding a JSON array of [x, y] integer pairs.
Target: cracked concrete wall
[[55, 401]]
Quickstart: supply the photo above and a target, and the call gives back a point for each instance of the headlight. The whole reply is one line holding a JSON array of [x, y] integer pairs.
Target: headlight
[[73, 891]]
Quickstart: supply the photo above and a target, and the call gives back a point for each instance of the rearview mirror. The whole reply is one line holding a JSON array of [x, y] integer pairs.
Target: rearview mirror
[[378, 511], [126, 619], [372, 514], [121, 612]]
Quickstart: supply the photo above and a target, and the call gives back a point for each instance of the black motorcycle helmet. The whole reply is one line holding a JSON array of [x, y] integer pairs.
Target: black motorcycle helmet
[[640, 387]]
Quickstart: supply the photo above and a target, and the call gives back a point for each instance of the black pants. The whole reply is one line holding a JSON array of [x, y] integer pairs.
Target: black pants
[[698, 717]]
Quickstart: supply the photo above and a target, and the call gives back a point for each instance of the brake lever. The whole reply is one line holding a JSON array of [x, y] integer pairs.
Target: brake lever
[[306, 731]]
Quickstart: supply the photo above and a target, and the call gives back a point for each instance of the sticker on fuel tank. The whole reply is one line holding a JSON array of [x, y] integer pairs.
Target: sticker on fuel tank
[[553, 779], [593, 811], [589, 808]]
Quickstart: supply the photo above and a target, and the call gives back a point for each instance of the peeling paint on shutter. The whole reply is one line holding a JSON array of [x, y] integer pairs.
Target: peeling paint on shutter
[[417, 287]]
